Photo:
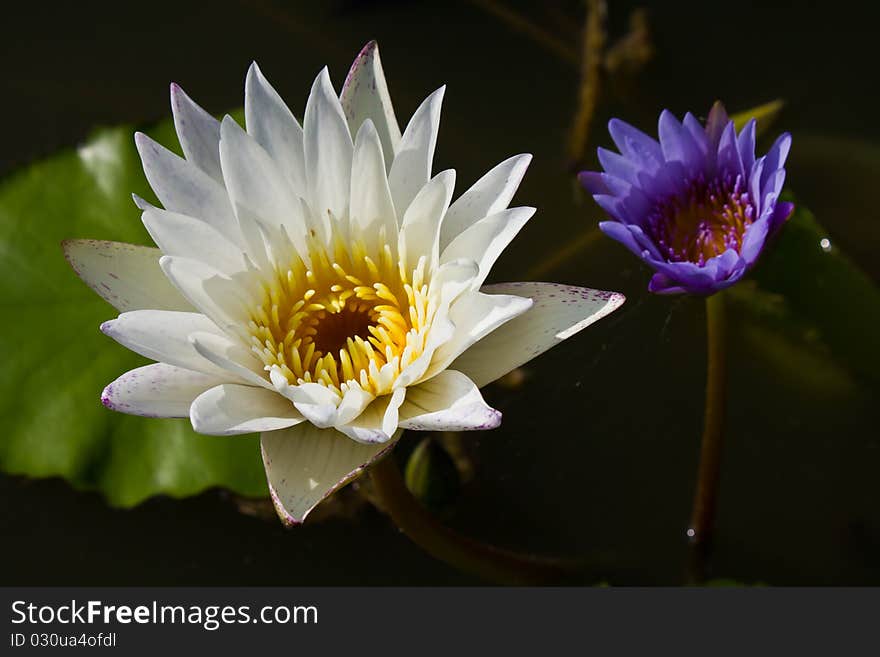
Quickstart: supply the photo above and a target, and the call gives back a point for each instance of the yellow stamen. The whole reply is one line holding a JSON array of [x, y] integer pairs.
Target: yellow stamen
[[341, 319]]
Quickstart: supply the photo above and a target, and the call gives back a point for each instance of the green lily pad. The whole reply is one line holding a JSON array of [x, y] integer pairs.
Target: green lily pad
[[807, 313], [780, 341], [825, 289], [56, 361]]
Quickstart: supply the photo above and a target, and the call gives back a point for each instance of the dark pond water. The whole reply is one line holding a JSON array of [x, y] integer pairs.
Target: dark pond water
[[599, 447]]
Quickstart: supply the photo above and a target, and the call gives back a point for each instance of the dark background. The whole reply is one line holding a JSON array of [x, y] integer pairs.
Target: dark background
[[800, 493]]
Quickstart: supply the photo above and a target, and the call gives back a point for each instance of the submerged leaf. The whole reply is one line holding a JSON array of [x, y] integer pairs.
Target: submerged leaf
[[782, 343], [56, 359], [826, 290]]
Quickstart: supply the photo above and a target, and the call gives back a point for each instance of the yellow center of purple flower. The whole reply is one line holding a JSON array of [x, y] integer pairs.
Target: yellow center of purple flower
[[704, 221]]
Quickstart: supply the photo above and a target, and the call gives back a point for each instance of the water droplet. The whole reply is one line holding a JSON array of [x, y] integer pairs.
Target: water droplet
[[825, 244]]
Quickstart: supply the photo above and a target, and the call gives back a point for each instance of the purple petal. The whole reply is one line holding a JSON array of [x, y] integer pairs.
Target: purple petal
[[677, 144], [781, 213], [746, 145], [617, 197], [662, 284], [645, 241], [636, 203], [718, 272], [593, 182], [753, 240], [771, 186], [697, 134], [618, 231], [729, 265], [776, 156], [634, 238], [715, 124], [618, 166], [662, 183], [616, 186], [729, 159], [636, 145], [754, 188], [692, 277], [612, 205]]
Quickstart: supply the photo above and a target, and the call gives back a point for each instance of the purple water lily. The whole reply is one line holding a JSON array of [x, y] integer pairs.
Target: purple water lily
[[695, 206]]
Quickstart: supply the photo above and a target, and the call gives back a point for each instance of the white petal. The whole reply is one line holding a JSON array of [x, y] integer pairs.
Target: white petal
[[383, 376], [163, 335], [180, 235], [318, 403], [485, 240], [157, 390], [271, 123], [256, 188], [372, 212], [353, 403], [448, 402], [448, 282], [182, 187], [442, 330], [475, 316], [378, 422], [559, 312], [211, 292], [198, 133], [420, 230], [490, 194], [328, 152], [231, 409], [125, 275], [414, 156], [305, 464], [142, 204], [230, 357], [365, 97]]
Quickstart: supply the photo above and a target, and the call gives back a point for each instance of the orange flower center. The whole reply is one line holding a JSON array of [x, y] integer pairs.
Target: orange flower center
[[704, 222]]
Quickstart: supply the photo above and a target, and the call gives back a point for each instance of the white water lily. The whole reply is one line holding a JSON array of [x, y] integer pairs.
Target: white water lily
[[316, 283]]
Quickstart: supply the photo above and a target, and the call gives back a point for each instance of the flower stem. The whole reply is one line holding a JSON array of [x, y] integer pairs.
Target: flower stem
[[705, 496], [592, 56], [465, 554]]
